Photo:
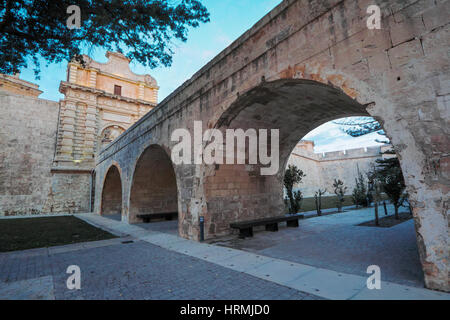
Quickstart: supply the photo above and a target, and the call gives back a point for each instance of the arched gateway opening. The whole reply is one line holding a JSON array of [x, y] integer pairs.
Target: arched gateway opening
[[294, 107], [154, 187], [112, 194], [239, 192]]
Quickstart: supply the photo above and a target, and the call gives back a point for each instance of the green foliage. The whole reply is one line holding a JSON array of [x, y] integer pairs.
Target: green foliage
[[339, 190], [141, 29], [389, 173], [293, 176], [359, 194], [318, 199], [359, 126]]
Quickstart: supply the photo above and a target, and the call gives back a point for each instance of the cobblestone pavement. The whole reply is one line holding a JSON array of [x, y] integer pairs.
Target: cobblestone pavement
[[335, 242], [137, 270]]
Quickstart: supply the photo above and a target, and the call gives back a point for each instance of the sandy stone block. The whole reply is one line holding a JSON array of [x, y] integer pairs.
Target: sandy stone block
[[406, 30], [437, 16], [378, 63], [346, 53], [374, 41], [405, 53]]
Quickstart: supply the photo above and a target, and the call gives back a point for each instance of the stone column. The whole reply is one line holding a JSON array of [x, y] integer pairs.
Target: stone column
[[67, 128], [73, 73], [93, 78], [141, 91], [91, 127]]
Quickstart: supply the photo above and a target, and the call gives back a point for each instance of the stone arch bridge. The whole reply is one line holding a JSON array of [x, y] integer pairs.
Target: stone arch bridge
[[303, 64]]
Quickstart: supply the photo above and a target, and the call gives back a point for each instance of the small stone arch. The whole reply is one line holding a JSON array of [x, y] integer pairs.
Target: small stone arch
[[153, 187], [108, 134], [112, 191]]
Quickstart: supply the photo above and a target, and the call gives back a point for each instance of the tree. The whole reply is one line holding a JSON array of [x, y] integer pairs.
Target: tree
[[339, 190], [141, 29], [388, 170], [293, 176], [359, 194], [392, 182], [359, 126], [375, 191]]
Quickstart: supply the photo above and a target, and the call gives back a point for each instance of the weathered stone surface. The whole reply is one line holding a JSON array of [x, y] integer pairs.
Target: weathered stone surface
[[303, 64], [322, 168], [27, 140]]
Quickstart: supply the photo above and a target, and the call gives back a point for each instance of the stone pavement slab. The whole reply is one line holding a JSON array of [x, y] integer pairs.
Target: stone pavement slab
[[30, 289], [329, 284], [137, 270], [280, 271], [392, 291], [244, 262], [320, 282]]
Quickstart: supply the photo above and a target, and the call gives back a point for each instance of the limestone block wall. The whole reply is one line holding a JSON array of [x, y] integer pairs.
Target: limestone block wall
[[69, 192], [270, 77], [322, 168], [27, 145]]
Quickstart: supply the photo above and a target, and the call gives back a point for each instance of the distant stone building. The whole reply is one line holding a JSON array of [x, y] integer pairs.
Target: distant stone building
[[48, 148], [322, 168], [14, 84]]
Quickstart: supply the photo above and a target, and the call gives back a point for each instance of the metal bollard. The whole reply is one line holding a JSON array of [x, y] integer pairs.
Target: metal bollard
[[202, 232]]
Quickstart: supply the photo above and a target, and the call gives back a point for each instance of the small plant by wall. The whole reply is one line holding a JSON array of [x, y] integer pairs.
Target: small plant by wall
[[318, 200], [293, 200], [339, 191], [359, 194]]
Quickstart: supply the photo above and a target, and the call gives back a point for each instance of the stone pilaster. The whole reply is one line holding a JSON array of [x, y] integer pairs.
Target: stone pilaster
[[73, 73], [141, 91], [68, 129], [90, 130], [93, 78]]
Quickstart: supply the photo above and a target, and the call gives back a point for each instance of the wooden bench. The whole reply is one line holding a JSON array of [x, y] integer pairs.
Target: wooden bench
[[166, 215], [246, 227]]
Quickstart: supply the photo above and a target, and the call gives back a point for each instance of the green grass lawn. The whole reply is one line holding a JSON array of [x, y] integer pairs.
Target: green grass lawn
[[308, 204], [28, 233], [328, 202]]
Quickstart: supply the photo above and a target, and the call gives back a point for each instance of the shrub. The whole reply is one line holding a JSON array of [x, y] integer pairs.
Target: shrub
[[292, 176], [359, 194], [339, 190]]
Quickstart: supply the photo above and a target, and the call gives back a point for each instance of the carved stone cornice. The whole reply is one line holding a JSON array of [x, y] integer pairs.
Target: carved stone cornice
[[64, 85]]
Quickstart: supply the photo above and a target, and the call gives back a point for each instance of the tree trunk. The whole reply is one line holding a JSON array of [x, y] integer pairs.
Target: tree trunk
[[396, 212], [377, 223], [385, 209]]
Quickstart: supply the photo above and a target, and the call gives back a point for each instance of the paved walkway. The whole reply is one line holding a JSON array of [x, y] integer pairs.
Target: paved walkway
[[164, 266], [336, 242]]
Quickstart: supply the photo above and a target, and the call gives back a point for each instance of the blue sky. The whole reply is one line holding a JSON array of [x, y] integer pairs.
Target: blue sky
[[229, 20]]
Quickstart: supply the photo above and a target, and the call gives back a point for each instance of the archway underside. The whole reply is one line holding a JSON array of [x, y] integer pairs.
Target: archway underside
[[238, 192], [154, 188], [112, 193]]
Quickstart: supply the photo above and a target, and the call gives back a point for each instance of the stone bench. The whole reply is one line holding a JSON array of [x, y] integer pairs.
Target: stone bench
[[271, 224], [166, 215]]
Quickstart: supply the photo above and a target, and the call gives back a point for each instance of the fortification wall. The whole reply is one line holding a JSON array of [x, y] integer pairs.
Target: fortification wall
[[322, 168], [27, 144]]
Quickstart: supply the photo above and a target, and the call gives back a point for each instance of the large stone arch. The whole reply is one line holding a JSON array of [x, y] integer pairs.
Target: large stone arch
[[236, 192], [295, 107], [153, 187], [400, 74], [112, 191]]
